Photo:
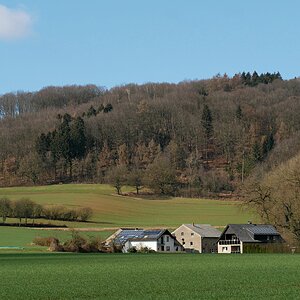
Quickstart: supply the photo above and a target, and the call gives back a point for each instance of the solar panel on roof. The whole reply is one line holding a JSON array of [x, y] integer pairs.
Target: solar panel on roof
[[126, 234], [263, 230]]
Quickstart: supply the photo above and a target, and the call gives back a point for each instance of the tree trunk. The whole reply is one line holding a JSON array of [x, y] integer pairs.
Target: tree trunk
[[70, 170]]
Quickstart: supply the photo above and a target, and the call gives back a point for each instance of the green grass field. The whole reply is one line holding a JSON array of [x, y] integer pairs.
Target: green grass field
[[112, 210], [23, 237], [150, 276]]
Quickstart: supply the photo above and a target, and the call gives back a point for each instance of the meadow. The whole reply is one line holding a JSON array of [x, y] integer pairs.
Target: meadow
[[150, 276], [111, 210]]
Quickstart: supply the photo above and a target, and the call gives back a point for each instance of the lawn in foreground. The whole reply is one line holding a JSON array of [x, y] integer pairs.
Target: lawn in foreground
[[112, 210], [152, 276]]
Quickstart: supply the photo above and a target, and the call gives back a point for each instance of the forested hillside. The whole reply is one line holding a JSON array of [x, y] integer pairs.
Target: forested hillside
[[191, 138]]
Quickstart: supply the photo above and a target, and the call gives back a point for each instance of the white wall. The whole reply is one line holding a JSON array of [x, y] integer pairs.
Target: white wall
[[228, 249], [168, 243], [224, 248], [142, 244]]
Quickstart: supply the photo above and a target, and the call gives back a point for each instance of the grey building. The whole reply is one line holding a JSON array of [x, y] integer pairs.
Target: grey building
[[201, 238], [236, 236]]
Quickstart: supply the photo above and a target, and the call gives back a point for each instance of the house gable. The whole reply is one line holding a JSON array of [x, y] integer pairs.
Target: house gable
[[235, 236], [197, 237], [250, 233], [156, 239]]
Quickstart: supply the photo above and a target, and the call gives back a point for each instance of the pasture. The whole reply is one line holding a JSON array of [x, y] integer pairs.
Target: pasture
[[111, 210], [150, 276]]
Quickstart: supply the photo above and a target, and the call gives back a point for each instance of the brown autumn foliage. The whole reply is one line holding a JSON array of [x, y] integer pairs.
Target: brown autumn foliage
[[132, 126], [275, 195]]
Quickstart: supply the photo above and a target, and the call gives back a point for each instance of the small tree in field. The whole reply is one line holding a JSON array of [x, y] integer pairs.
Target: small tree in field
[[5, 208], [161, 176], [117, 178], [23, 208], [136, 178], [37, 211]]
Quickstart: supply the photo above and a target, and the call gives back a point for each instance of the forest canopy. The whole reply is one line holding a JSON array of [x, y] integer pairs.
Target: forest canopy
[[212, 134]]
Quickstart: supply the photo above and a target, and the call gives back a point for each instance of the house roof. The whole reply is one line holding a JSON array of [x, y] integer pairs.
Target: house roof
[[204, 230], [138, 234], [250, 232]]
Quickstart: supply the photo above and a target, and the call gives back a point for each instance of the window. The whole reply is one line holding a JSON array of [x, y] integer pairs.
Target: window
[[224, 249], [182, 233], [168, 248], [191, 243], [192, 233], [168, 238], [162, 240]]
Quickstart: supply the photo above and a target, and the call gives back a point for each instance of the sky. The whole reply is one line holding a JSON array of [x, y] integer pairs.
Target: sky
[[115, 42]]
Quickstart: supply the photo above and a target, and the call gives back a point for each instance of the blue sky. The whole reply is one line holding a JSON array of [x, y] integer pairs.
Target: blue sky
[[108, 43]]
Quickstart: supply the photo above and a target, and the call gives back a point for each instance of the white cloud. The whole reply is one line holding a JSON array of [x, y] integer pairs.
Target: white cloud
[[14, 23]]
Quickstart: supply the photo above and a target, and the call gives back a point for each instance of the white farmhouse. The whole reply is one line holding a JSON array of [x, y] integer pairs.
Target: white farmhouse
[[159, 240]]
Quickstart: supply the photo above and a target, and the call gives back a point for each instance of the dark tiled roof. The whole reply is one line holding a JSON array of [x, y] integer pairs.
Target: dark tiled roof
[[250, 232]]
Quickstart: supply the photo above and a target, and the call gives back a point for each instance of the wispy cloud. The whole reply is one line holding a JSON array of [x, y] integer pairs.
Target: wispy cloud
[[14, 23]]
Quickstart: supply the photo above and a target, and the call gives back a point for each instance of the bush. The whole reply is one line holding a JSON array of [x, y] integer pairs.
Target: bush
[[145, 250], [132, 250], [64, 214], [93, 245], [76, 244], [140, 250], [85, 213], [43, 241], [55, 246], [271, 248]]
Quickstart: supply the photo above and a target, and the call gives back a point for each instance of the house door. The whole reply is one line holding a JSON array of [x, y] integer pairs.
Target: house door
[[162, 248]]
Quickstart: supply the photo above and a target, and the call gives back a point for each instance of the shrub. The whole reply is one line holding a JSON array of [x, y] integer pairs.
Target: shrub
[[94, 244], [76, 244], [85, 213], [140, 250], [132, 250], [43, 241], [55, 246], [145, 250], [271, 248]]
